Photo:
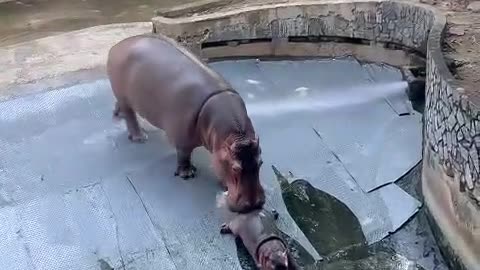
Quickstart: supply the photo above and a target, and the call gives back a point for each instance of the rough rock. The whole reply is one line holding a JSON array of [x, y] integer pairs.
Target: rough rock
[[474, 6]]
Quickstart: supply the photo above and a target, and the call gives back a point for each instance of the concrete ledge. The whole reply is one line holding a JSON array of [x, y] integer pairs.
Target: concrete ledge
[[192, 8], [34, 64], [452, 117]]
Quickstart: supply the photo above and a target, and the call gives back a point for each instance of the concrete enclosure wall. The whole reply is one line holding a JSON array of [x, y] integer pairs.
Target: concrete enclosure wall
[[451, 173]]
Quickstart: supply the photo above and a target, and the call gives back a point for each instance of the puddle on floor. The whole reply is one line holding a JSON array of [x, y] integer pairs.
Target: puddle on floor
[[326, 222], [26, 20]]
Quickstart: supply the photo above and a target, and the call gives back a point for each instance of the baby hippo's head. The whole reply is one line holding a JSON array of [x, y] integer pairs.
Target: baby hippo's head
[[273, 255]]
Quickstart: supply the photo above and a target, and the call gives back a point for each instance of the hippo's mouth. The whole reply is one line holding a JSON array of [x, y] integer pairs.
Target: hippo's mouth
[[265, 238]]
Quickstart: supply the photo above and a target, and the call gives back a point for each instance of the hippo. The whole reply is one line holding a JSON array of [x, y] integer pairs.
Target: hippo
[[260, 236], [164, 83]]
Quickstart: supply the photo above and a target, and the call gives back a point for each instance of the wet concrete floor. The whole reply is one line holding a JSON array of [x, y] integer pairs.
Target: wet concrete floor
[[25, 20]]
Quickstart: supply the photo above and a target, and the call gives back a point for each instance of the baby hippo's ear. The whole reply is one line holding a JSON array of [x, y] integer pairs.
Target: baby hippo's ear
[[285, 255]]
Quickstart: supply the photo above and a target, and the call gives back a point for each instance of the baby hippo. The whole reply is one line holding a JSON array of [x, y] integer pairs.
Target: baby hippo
[[260, 235]]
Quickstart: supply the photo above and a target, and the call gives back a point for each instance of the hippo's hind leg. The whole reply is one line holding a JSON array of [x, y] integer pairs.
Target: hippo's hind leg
[[185, 168], [135, 133]]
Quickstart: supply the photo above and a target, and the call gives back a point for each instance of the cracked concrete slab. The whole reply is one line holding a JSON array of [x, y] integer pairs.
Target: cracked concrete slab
[[366, 139], [308, 157]]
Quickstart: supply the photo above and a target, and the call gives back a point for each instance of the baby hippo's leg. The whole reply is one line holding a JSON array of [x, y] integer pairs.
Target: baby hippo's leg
[[185, 168]]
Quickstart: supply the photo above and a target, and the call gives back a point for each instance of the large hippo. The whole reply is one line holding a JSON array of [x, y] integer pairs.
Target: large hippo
[[175, 91]]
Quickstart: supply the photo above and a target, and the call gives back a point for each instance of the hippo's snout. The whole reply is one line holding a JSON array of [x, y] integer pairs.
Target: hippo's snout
[[246, 206]]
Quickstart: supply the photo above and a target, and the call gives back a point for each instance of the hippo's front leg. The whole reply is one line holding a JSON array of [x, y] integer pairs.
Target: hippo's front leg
[[225, 229], [185, 168]]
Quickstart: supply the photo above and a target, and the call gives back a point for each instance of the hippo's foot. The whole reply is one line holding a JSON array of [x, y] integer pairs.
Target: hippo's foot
[[186, 171], [138, 138], [117, 112], [225, 229]]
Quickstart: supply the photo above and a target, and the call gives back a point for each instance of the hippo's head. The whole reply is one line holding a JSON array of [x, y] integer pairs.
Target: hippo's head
[[272, 257], [277, 261], [238, 164]]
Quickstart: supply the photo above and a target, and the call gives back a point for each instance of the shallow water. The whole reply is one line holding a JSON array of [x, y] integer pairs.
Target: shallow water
[[336, 234], [26, 20]]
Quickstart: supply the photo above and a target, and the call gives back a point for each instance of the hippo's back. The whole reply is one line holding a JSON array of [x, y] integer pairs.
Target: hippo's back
[[161, 81]]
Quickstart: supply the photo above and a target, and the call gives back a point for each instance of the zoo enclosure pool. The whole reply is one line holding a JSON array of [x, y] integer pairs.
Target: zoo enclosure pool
[[78, 195]]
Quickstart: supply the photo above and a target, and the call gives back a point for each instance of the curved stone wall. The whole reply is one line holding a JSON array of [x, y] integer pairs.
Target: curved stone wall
[[450, 181]]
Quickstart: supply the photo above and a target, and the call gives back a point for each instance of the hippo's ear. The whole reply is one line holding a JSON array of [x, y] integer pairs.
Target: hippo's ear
[[256, 144], [233, 147], [256, 141], [236, 166], [224, 153]]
